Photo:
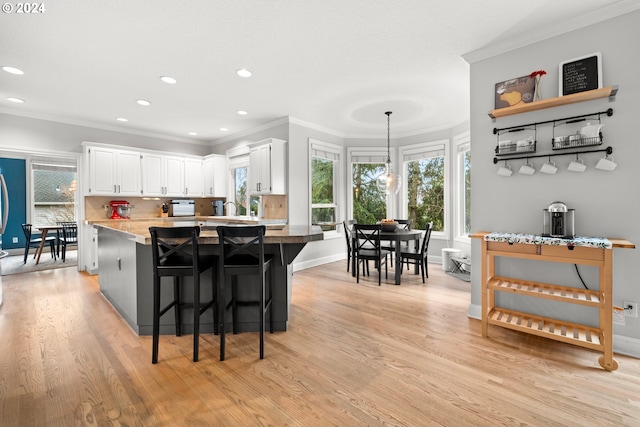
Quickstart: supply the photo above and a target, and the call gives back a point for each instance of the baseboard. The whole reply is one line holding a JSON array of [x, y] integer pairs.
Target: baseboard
[[302, 265], [475, 311]]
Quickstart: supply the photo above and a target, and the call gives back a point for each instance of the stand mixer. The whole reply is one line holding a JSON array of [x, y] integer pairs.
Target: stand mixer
[[119, 209]]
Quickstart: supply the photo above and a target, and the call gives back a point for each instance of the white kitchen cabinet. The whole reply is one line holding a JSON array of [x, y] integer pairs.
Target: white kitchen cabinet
[[162, 175], [193, 180], [114, 172], [215, 175], [267, 167]]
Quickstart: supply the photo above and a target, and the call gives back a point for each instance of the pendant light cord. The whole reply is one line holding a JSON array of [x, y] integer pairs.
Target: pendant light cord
[[388, 113]]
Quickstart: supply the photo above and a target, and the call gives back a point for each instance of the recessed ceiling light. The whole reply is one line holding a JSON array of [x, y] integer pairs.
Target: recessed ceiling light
[[242, 112], [243, 72], [193, 133], [122, 119], [169, 80], [13, 70], [224, 129], [143, 102], [16, 100]]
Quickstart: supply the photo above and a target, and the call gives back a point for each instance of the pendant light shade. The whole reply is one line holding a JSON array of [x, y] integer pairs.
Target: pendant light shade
[[389, 182]]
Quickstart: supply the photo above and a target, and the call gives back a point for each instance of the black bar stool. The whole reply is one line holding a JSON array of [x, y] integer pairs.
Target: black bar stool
[[242, 254], [176, 254]]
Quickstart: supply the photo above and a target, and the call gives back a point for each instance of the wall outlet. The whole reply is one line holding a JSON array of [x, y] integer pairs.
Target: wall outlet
[[630, 309], [15, 240]]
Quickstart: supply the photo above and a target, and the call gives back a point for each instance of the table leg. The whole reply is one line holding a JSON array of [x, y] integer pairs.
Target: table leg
[[398, 262], [39, 251]]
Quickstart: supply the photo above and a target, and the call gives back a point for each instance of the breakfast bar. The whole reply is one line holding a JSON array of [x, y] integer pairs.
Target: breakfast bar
[[126, 271]]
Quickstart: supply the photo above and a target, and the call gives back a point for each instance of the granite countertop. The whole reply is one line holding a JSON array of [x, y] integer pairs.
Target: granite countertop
[[138, 230]]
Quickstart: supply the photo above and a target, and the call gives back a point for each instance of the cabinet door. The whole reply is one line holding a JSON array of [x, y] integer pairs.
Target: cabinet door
[[208, 176], [174, 176], [152, 175], [193, 181], [220, 176], [102, 171], [128, 173], [260, 169]]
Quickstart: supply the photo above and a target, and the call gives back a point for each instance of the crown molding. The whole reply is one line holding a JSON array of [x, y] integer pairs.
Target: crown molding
[[544, 33]]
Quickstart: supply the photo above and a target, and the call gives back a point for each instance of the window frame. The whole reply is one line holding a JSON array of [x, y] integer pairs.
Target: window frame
[[373, 155], [426, 147], [325, 150], [462, 144]]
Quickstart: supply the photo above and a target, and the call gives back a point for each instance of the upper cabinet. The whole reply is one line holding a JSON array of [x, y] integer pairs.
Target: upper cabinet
[[215, 175], [267, 167], [113, 172], [162, 175], [193, 179]]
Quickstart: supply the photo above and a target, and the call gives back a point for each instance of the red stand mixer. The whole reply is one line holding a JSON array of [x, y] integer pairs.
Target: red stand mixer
[[120, 209]]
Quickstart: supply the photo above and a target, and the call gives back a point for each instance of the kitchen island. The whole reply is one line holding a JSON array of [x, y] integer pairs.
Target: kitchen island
[[126, 272]]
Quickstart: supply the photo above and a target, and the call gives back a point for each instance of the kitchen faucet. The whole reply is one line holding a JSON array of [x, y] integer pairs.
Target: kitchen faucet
[[235, 208]]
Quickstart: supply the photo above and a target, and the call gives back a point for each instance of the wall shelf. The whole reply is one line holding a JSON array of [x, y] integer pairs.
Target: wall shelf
[[609, 91]]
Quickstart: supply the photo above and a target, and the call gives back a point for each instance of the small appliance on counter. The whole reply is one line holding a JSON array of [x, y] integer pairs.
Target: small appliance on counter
[[218, 207], [119, 209], [558, 221], [182, 208]]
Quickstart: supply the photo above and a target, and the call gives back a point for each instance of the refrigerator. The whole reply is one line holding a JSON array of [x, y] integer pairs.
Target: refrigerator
[[4, 216]]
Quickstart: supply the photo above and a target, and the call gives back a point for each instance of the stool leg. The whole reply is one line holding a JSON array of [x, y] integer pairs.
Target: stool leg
[[262, 310], [222, 303], [156, 319], [196, 315], [177, 307], [234, 304]]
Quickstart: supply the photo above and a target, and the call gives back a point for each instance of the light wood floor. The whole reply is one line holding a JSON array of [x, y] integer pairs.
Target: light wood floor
[[354, 355]]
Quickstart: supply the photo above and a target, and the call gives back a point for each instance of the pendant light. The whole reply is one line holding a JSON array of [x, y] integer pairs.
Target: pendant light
[[389, 182]]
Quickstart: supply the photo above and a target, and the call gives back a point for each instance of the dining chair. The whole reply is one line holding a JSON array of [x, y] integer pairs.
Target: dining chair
[[418, 257], [69, 237], [403, 224], [348, 235], [176, 254], [34, 242], [367, 243], [242, 254]]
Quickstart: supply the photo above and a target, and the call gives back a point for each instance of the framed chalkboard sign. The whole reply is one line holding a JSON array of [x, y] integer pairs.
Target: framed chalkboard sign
[[581, 74]]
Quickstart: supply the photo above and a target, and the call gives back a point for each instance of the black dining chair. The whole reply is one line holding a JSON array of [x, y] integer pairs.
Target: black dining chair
[[34, 242], [418, 257], [69, 237], [348, 234], [367, 244], [403, 224], [176, 254], [242, 254]]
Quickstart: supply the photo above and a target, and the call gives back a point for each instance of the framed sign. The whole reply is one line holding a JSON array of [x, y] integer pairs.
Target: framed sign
[[581, 74], [514, 91]]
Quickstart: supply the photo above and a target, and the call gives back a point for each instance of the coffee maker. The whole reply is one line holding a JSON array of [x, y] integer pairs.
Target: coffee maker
[[558, 221]]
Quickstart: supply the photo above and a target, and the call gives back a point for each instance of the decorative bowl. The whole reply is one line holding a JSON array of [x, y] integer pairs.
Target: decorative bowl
[[389, 226]]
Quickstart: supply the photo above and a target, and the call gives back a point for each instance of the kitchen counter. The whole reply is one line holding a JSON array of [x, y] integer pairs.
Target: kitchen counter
[[126, 271]]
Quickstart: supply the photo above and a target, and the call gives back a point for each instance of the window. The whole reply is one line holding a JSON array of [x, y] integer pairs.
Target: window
[[368, 203], [325, 184], [240, 190], [425, 171], [237, 183], [54, 190], [464, 187]]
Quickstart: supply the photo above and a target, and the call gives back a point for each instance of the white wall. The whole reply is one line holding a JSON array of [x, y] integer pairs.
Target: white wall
[[606, 203]]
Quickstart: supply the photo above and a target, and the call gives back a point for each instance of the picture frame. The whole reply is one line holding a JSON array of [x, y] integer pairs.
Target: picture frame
[[514, 92], [580, 74]]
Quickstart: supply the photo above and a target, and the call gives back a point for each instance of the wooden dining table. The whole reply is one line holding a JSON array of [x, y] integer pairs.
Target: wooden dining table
[[44, 229], [398, 236]]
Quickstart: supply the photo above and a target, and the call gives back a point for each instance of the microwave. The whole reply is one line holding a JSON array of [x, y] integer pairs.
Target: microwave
[[182, 208]]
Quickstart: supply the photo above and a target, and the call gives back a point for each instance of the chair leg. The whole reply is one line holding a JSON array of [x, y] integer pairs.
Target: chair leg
[[26, 253]]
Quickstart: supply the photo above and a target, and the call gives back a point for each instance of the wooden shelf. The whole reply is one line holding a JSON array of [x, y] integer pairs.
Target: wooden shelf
[[571, 333], [609, 91], [543, 290]]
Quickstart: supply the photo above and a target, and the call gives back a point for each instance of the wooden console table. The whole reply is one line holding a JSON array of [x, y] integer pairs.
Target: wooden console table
[[581, 250]]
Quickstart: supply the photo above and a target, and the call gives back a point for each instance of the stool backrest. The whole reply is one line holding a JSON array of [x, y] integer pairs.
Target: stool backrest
[[242, 246], [175, 250]]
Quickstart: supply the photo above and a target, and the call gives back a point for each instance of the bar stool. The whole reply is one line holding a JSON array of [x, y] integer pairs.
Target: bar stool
[[176, 254], [242, 254]]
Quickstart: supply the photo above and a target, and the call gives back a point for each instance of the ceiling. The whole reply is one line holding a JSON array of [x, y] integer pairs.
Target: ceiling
[[334, 63]]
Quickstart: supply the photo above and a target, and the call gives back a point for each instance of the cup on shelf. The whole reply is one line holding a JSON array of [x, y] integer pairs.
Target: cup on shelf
[[527, 169], [577, 165], [606, 163], [505, 170], [549, 167]]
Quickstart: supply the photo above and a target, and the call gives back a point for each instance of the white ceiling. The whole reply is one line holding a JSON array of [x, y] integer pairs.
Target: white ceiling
[[339, 64]]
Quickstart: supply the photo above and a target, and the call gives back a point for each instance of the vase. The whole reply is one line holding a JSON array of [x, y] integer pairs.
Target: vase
[[537, 95]]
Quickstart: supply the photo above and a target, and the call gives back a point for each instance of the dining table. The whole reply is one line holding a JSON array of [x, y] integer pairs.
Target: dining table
[[397, 236], [44, 229]]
